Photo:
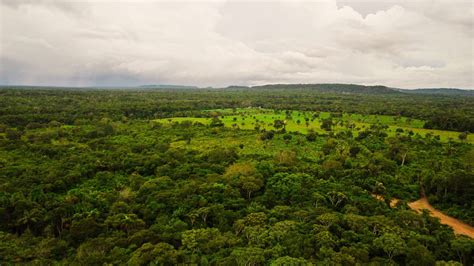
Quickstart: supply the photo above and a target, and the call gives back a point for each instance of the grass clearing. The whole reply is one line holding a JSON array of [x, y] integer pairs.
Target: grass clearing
[[301, 121]]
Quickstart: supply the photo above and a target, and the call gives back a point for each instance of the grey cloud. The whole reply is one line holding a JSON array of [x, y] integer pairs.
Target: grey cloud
[[417, 43], [366, 7], [69, 7]]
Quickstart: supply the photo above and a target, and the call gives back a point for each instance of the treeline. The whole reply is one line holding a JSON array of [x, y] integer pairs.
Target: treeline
[[455, 122]]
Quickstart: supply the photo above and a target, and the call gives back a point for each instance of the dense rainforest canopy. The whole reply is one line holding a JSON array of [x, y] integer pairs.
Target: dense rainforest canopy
[[194, 176]]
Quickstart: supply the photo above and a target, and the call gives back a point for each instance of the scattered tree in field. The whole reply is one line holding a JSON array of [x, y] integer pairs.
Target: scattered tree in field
[[327, 124], [267, 135], [216, 122], [463, 136], [279, 124]]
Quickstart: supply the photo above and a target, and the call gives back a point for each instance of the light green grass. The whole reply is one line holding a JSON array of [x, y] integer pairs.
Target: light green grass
[[246, 119]]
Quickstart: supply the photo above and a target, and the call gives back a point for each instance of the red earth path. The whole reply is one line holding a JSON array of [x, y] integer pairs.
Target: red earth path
[[459, 227]]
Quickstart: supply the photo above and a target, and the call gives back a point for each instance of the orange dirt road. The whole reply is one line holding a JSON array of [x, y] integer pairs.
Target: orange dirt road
[[459, 227]]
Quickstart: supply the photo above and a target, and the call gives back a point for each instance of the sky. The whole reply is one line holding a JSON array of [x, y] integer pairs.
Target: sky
[[397, 43]]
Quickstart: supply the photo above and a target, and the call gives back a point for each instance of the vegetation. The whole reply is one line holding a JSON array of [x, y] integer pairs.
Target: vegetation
[[190, 176]]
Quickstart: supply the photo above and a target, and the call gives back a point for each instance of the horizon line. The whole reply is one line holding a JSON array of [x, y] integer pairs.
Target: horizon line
[[164, 86]]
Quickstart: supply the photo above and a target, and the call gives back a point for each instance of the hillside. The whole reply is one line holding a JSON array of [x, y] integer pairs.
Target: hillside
[[359, 89], [334, 88], [442, 91]]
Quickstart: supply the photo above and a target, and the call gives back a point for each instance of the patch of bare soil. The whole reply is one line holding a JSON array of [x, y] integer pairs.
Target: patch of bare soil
[[459, 227], [393, 201]]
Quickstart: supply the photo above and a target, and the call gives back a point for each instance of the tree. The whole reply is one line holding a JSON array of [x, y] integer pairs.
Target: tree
[[325, 239], [277, 124], [284, 186], [82, 229], [240, 169], [336, 198], [463, 136], [327, 124], [418, 254], [317, 198], [286, 158], [250, 184], [464, 248], [13, 134], [216, 122], [289, 261], [30, 218], [159, 254], [398, 151], [391, 244], [205, 240], [187, 136], [329, 146], [311, 136], [379, 188], [245, 176], [249, 256], [331, 166], [354, 150], [267, 135], [328, 219], [126, 222], [93, 251]]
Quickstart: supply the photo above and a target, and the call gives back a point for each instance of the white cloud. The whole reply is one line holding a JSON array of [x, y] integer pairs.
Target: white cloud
[[416, 43]]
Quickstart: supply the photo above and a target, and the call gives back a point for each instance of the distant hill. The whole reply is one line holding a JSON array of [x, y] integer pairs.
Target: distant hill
[[441, 91], [360, 89], [335, 88], [164, 86], [323, 88]]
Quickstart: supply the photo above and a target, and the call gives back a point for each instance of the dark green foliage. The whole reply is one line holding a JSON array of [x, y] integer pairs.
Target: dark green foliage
[[463, 135], [279, 124], [327, 124], [90, 178], [267, 135], [311, 136], [216, 122]]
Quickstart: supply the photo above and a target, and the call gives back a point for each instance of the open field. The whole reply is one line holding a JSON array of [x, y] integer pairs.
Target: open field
[[300, 121]]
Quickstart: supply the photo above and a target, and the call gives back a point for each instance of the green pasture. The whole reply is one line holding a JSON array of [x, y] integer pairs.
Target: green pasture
[[300, 121], [357, 118]]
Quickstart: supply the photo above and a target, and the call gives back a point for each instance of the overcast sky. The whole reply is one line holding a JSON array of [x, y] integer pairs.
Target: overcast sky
[[400, 43]]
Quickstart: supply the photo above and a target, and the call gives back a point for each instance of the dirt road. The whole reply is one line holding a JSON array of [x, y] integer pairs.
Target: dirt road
[[459, 227]]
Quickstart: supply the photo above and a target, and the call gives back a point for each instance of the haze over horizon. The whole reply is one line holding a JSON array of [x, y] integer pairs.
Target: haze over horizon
[[396, 43]]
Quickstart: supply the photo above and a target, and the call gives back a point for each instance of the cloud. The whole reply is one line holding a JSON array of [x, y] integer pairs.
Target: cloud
[[417, 43]]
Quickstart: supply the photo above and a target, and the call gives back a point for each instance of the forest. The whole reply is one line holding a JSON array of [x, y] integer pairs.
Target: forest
[[321, 174]]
